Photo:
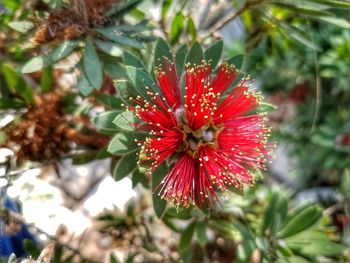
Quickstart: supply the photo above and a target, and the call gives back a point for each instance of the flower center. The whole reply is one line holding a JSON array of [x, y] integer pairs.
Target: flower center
[[193, 140]]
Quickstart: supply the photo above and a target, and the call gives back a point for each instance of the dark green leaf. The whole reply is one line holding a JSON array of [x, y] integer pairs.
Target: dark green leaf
[[114, 35], [140, 81], [110, 48], [89, 156], [125, 165], [195, 54], [159, 204], [122, 7], [125, 121], [186, 237], [201, 228], [162, 51], [213, 53], [333, 3], [31, 248], [237, 61], [109, 100], [138, 177], [21, 26], [301, 221], [180, 58], [177, 26], [132, 60], [92, 65], [104, 121], [142, 26]]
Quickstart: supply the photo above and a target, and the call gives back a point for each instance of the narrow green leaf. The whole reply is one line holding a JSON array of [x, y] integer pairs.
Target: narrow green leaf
[[180, 58], [16, 82], [109, 48], [201, 228], [92, 65], [21, 26], [345, 183], [6, 103], [39, 62], [125, 166], [333, 3], [104, 121], [139, 27], [84, 85], [162, 51], [113, 259], [301, 10], [301, 221], [123, 143], [213, 53], [177, 27], [46, 80], [109, 100], [132, 60], [186, 237], [237, 61], [335, 21], [191, 29], [159, 204], [165, 7], [114, 35], [266, 107], [122, 7], [125, 121], [195, 54]]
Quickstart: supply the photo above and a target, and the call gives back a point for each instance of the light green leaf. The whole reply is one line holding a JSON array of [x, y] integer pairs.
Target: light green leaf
[[125, 121], [46, 80], [114, 35], [201, 228], [21, 26], [177, 26], [335, 21], [191, 29], [122, 143], [84, 85]]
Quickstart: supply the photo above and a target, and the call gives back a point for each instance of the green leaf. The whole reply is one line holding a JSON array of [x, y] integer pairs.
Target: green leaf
[[109, 48], [31, 248], [345, 183], [162, 51], [39, 62], [335, 21], [165, 7], [195, 54], [266, 107], [16, 82], [84, 85], [89, 156], [132, 60], [213, 53], [201, 228], [92, 65], [123, 143], [302, 10], [21, 26], [125, 121], [301, 221], [125, 166], [237, 61], [46, 80], [140, 81], [139, 27], [333, 3], [159, 204], [122, 7], [138, 177], [109, 100], [6, 103], [177, 27], [180, 58], [113, 259], [191, 29], [104, 121], [12, 258], [114, 35], [186, 237]]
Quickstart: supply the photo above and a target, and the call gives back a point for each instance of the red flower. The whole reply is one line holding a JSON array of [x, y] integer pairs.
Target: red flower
[[203, 123]]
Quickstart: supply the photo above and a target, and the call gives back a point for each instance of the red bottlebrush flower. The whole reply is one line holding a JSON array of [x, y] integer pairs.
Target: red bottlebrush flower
[[205, 125]]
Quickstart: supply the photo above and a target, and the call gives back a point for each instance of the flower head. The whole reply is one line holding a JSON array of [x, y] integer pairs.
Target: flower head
[[204, 123]]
